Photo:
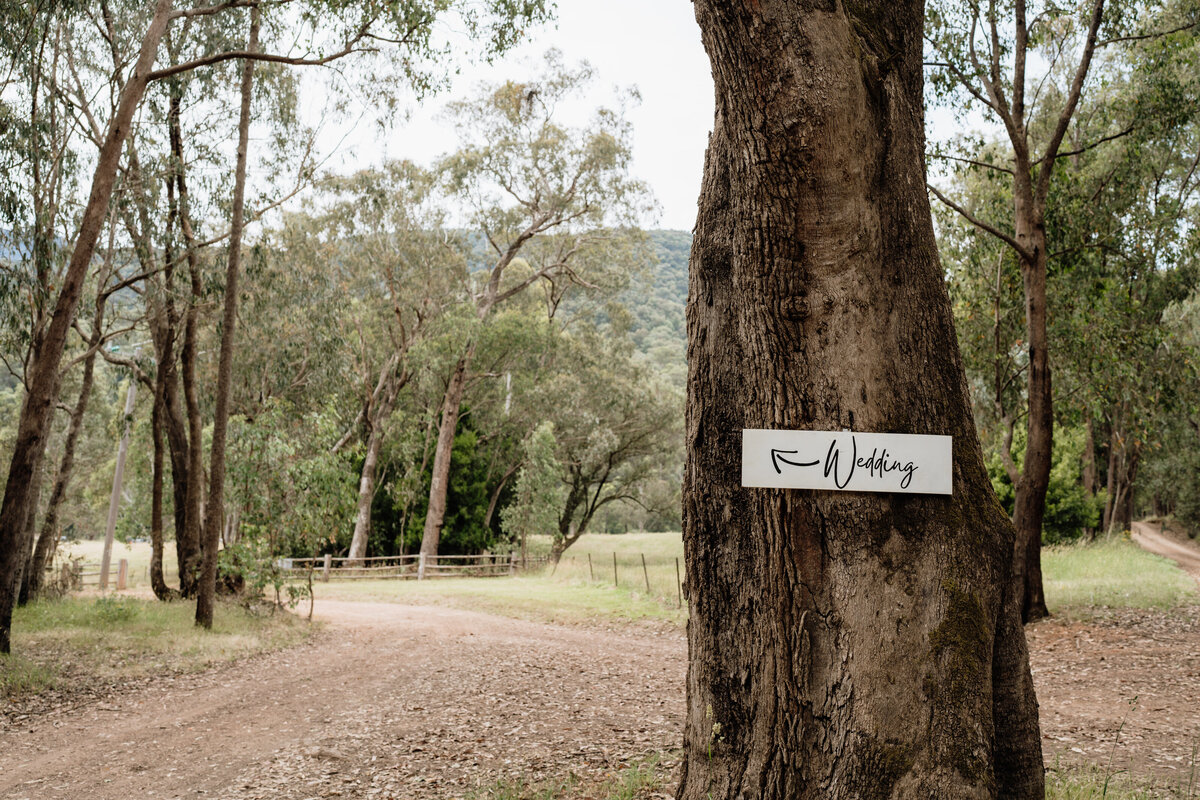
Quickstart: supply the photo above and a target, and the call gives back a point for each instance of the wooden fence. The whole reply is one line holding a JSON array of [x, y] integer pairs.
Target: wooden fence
[[488, 565], [79, 574]]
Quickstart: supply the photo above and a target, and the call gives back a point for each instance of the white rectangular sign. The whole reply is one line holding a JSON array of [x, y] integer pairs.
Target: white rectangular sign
[[849, 461]]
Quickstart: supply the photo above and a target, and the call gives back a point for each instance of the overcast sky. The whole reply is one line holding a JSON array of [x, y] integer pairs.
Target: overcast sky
[[651, 44]]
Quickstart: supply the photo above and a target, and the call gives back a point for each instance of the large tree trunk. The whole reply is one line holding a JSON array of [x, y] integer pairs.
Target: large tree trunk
[[206, 592], [439, 485], [42, 378], [877, 650], [29, 537], [366, 492], [1029, 505]]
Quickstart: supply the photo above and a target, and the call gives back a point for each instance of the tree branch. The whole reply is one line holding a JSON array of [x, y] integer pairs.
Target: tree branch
[[992, 229], [1068, 111], [1085, 148]]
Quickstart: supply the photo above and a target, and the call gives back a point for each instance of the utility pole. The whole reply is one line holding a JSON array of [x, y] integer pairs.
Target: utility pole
[[118, 478]]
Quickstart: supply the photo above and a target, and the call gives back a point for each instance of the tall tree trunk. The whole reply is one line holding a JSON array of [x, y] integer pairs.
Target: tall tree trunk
[[366, 492], [1115, 453], [187, 467], [440, 483], [1089, 467], [376, 414], [1029, 505], [158, 582], [878, 650], [1130, 478], [43, 376], [35, 495], [206, 592]]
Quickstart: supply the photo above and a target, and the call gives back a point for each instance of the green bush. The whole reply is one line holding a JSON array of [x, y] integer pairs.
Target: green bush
[[114, 610], [1069, 509]]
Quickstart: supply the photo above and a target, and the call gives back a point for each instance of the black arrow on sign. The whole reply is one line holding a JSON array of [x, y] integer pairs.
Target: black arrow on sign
[[776, 458]]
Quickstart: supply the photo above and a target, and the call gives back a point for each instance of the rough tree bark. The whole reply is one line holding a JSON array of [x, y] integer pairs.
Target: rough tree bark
[[43, 376], [206, 591], [877, 650]]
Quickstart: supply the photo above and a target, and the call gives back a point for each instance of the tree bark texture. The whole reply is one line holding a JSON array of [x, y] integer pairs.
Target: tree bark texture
[[842, 645], [206, 591], [157, 581], [43, 376], [29, 536]]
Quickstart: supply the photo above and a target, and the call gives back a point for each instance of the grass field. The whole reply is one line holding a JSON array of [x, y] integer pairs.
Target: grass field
[[1115, 573], [118, 637], [1112, 573]]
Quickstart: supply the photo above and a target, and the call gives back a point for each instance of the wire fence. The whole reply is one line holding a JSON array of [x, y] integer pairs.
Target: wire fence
[[409, 567], [660, 577]]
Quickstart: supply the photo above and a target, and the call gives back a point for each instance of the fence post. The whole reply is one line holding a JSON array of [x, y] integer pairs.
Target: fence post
[[645, 573], [591, 571], [512, 563], [678, 584], [326, 567], [122, 573], [615, 581], [421, 567]]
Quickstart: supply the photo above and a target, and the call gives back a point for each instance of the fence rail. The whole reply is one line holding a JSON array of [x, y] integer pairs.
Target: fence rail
[[409, 567], [88, 573]]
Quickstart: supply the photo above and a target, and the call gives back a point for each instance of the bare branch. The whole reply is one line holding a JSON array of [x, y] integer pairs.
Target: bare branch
[[972, 162], [1068, 111], [992, 229], [1142, 37], [1085, 148]]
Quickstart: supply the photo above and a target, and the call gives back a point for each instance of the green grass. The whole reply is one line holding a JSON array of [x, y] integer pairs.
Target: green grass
[[114, 638], [1113, 573], [537, 597], [1078, 783], [644, 779]]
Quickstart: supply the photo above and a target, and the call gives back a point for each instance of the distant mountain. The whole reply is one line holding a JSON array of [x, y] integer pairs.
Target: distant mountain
[[657, 305]]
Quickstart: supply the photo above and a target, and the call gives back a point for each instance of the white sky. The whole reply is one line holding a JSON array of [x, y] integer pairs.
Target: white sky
[[651, 44]]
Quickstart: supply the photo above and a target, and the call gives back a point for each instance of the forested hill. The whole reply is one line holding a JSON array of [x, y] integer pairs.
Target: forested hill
[[657, 303]]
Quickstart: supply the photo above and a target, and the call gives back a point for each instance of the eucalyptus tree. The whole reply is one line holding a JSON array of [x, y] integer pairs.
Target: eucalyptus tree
[[380, 237], [559, 198], [538, 491], [1050, 45], [617, 427], [332, 30], [878, 650]]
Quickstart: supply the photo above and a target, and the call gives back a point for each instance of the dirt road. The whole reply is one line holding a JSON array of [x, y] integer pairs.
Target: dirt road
[[419, 702], [1150, 538], [394, 701]]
